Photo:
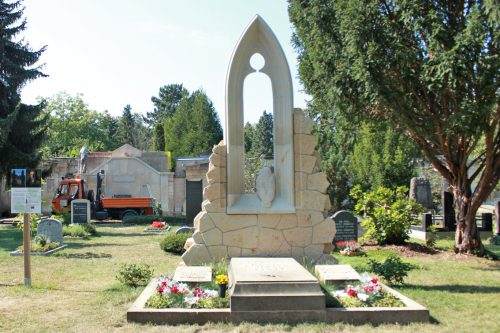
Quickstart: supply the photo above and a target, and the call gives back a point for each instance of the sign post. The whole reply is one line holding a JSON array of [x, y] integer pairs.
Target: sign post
[[26, 198], [27, 249]]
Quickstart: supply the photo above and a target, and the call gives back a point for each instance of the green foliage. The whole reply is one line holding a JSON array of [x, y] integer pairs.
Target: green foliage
[[37, 247], [148, 219], [166, 103], [157, 301], [262, 139], [444, 96], [64, 216], [34, 219], [220, 267], [72, 124], [174, 243], [158, 137], [131, 130], [75, 230], [41, 240], [387, 214], [194, 128], [22, 126], [134, 274], [214, 302], [382, 157], [90, 229], [393, 269]]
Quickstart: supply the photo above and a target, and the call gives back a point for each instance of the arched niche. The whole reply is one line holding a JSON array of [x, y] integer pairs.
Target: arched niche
[[258, 38]]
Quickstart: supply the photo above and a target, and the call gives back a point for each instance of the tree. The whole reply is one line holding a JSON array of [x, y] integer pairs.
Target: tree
[[429, 67], [194, 127], [22, 127], [126, 127], [165, 104], [389, 164], [249, 131], [72, 124], [262, 143]]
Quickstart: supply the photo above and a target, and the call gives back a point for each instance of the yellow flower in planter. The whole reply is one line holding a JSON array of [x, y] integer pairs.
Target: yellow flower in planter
[[221, 279]]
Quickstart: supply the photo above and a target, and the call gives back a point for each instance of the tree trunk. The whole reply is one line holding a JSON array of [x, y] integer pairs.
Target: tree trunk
[[467, 237]]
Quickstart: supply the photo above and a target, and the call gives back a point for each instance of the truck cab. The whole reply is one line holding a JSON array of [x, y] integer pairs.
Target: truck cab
[[68, 190]]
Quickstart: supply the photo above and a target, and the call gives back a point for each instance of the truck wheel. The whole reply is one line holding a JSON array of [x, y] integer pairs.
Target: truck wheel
[[128, 212]]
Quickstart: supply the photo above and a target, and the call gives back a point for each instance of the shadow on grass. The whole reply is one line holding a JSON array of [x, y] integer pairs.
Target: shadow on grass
[[86, 255], [72, 246], [10, 238], [454, 288], [121, 234]]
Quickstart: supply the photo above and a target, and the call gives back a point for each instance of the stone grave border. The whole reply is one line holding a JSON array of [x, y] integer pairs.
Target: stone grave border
[[413, 312], [18, 253]]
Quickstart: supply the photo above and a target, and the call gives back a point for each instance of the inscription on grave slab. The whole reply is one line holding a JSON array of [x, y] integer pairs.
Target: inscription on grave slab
[[347, 226], [80, 211], [336, 273]]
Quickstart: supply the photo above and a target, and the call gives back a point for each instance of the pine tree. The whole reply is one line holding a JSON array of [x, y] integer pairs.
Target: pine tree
[[22, 126], [126, 127], [263, 143]]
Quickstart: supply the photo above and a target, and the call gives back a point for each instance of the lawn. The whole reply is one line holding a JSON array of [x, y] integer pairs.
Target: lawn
[[75, 290]]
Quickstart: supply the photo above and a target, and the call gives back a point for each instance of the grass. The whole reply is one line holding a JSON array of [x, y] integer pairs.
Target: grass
[[75, 290]]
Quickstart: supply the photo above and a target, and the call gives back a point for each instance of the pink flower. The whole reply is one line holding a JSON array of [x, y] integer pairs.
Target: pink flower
[[174, 290], [164, 284]]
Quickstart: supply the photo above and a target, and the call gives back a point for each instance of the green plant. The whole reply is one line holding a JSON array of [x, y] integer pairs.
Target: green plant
[[134, 274], [34, 218], [75, 230], [41, 240], [219, 267], [393, 269], [148, 219], [388, 213], [90, 229], [431, 237], [35, 247], [174, 243]]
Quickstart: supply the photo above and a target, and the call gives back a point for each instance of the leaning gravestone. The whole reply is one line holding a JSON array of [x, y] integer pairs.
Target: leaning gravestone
[[80, 211], [52, 229], [184, 230], [420, 190], [347, 226]]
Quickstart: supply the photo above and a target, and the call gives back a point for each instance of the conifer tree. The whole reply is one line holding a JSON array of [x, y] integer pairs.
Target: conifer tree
[[22, 126]]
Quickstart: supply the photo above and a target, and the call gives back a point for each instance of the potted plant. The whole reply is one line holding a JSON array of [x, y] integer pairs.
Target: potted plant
[[221, 280]]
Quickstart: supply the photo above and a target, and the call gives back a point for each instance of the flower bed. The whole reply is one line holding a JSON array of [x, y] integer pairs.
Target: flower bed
[[369, 293], [157, 226], [172, 294]]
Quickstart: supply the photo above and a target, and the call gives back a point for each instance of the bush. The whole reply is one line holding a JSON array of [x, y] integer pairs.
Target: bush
[[41, 240], [90, 229], [388, 214], [134, 274], [393, 270], [64, 216], [174, 243], [148, 219], [75, 230]]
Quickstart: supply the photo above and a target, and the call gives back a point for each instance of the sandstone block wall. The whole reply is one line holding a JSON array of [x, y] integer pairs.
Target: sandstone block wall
[[307, 233]]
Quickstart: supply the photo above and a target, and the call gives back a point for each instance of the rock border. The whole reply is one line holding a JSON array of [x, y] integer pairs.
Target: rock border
[[413, 312], [18, 253]]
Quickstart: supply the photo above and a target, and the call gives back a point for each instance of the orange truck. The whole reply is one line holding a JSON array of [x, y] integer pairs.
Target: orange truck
[[101, 207]]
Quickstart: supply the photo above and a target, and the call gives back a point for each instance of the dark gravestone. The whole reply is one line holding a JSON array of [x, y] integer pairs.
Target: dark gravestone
[[448, 211], [347, 226], [497, 218], [80, 211], [426, 221], [487, 221], [420, 190]]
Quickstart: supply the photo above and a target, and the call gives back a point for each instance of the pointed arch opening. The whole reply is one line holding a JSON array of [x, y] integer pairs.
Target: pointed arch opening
[[258, 38]]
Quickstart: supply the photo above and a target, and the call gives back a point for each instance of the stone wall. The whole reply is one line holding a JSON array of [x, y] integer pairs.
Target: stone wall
[[307, 233]]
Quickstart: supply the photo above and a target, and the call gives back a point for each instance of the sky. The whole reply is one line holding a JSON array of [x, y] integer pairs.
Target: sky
[[119, 52]]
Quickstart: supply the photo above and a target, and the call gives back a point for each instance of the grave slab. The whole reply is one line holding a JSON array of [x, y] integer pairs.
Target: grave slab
[[193, 274], [336, 274], [274, 284]]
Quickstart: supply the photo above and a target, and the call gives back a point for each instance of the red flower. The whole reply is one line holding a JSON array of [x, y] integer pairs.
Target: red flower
[[352, 292], [174, 290], [161, 289], [164, 284], [158, 224], [374, 281]]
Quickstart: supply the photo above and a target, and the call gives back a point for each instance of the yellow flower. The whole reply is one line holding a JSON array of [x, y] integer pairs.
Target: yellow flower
[[221, 279]]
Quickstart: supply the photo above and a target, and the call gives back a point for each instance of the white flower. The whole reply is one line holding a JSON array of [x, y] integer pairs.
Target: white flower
[[365, 277], [363, 297], [339, 293], [191, 300], [210, 293]]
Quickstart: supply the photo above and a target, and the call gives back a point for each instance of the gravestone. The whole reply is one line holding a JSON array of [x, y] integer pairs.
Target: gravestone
[[336, 274], [184, 230], [193, 274], [80, 211], [448, 211], [51, 228], [347, 226], [420, 190], [273, 284]]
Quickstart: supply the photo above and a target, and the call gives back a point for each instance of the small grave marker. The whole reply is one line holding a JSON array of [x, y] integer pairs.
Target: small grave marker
[[80, 211], [193, 274], [347, 226], [336, 274], [52, 229]]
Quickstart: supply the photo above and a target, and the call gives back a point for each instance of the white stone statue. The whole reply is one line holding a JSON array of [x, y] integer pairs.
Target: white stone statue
[[84, 153], [266, 183]]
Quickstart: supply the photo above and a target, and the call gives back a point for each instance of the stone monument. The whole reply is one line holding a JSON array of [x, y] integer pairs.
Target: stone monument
[[420, 190], [233, 223], [52, 229]]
